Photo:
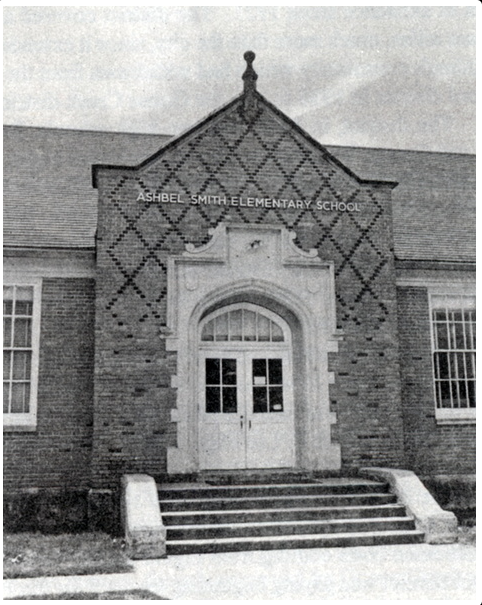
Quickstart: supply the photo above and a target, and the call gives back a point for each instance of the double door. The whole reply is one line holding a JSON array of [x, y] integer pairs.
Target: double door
[[246, 409]]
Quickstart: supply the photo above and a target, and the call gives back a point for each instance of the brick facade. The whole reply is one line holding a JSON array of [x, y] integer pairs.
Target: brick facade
[[107, 392], [235, 156], [58, 453], [431, 449]]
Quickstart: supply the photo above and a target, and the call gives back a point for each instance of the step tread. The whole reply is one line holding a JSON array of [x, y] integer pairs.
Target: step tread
[[168, 487], [272, 497], [296, 537], [247, 511], [321, 522]]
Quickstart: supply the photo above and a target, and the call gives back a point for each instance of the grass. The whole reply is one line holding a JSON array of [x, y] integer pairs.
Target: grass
[[30, 555], [131, 595]]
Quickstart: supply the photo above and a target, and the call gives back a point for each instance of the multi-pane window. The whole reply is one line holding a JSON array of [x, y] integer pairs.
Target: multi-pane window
[[20, 353], [453, 332], [221, 386], [242, 325], [267, 385]]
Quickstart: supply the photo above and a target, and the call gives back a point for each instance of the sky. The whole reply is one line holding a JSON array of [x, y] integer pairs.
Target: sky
[[398, 77]]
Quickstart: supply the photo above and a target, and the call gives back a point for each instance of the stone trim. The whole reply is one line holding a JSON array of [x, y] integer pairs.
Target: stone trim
[[439, 526], [141, 519]]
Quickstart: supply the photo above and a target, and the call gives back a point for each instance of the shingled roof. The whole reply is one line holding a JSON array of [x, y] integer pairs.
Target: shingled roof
[[49, 201]]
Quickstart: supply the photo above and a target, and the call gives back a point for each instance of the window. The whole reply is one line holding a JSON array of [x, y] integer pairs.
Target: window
[[242, 324], [21, 308], [453, 338]]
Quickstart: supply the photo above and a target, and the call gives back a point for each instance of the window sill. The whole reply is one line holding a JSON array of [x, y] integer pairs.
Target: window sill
[[459, 416], [10, 426]]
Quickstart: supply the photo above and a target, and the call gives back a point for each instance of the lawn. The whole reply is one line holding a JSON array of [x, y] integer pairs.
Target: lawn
[[118, 595], [29, 555]]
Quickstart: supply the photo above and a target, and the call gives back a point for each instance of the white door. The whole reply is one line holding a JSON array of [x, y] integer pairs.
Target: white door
[[246, 415], [246, 411], [222, 411], [269, 432]]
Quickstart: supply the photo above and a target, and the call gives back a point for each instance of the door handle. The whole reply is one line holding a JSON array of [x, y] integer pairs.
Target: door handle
[[241, 418]]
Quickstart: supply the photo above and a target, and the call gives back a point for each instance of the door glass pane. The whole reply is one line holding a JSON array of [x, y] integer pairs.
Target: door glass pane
[[276, 399], [213, 374], [230, 404], [260, 400], [213, 400], [229, 371], [259, 371], [235, 325], [275, 371]]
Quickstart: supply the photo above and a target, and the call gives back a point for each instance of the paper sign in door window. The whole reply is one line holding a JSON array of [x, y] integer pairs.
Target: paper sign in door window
[[259, 380]]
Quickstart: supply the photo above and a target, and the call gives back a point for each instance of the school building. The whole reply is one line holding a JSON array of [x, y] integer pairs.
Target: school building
[[236, 298]]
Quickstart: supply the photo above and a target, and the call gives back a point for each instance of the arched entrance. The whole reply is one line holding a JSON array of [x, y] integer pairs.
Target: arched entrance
[[246, 408], [294, 290]]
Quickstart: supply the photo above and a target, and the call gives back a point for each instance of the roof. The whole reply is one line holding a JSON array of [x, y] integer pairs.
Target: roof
[[434, 203], [49, 200], [48, 197]]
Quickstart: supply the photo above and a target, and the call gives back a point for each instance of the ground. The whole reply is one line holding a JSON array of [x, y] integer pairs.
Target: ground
[[27, 555]]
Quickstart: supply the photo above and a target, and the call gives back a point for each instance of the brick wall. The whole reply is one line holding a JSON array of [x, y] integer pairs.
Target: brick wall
[[58, 453], [430, 448], [232, 156]]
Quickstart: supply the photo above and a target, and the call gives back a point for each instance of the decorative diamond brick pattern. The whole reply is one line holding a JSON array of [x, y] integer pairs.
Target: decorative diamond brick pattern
[[259, 158]]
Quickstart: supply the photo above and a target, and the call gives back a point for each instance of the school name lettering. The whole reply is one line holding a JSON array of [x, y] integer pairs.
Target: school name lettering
[[250, 202]]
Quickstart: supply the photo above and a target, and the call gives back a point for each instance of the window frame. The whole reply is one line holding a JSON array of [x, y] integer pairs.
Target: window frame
[[28, 421], [449, 415], [242, 344]]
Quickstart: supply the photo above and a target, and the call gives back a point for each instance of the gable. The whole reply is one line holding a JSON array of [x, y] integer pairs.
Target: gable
[[265, 140]]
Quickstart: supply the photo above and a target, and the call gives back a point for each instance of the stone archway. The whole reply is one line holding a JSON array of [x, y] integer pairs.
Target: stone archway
[[295, 285]]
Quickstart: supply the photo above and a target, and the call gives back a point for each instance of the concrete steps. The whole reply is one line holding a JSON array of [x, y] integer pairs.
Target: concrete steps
[[326, 512]]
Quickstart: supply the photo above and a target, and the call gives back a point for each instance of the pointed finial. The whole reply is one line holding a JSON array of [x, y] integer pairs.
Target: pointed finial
[[249, 76]]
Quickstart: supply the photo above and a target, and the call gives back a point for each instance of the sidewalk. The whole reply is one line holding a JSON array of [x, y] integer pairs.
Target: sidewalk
[[409, 572]]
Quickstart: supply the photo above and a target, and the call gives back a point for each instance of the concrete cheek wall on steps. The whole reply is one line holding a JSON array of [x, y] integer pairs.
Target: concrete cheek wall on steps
[[144, 531], [146, 535], [439, 526]]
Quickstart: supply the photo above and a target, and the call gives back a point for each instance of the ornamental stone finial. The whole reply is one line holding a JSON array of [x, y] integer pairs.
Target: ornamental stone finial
[[249, 76], [250, 105]]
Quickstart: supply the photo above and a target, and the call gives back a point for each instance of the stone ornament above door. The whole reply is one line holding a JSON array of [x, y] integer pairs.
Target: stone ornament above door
[[253, 240], [253, 263]]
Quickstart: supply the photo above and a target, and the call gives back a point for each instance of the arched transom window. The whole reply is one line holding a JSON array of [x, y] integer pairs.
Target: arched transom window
[[243, 323]]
